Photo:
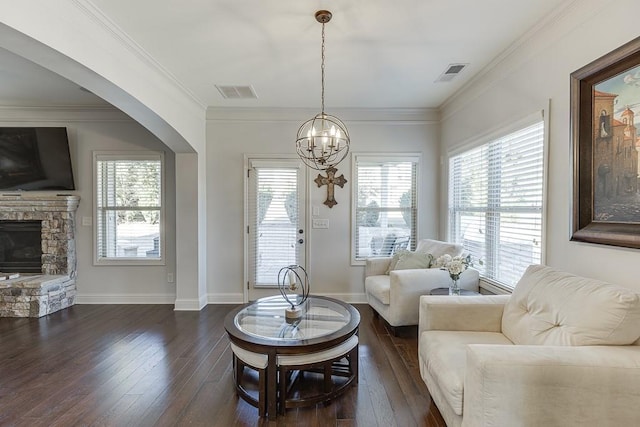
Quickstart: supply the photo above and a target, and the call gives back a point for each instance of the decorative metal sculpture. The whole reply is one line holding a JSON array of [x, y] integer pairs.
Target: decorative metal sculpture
[[293, 283]]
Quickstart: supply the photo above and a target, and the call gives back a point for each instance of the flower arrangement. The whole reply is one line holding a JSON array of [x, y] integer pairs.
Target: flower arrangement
[[455, 266]]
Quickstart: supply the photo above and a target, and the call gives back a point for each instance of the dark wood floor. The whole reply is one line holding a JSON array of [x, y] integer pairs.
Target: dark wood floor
[[126, 365]]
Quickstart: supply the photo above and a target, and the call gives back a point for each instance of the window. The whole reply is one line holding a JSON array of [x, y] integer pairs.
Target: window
[[129, 208], [384, 205], [495, 203]]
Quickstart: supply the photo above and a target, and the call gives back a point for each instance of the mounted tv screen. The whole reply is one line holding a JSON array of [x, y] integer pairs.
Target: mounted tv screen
[[34, 159]]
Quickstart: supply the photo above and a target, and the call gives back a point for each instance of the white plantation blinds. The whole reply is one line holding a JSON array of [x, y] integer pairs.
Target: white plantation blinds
[[385, 205], [495, 203], [274, 221], [128, 207]]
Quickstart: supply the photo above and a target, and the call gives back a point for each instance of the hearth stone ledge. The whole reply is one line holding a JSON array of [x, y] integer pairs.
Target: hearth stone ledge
[[54, 289], [36, 295]]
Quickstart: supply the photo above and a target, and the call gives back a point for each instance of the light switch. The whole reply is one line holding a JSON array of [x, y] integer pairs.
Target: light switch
[[320, 223], [87, 221], [316, 211]]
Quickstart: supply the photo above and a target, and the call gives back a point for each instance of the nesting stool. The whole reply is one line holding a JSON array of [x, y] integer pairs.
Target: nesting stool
[[325, 361], [258, 362]]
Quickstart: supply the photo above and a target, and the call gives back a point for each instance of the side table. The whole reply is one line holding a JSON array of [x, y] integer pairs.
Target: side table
[[445, 291]]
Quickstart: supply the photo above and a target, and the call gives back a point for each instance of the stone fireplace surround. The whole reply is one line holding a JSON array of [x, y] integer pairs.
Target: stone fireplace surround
[[36, 295]]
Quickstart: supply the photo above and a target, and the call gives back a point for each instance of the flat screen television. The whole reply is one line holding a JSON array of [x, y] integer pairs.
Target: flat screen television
[[35, 159]]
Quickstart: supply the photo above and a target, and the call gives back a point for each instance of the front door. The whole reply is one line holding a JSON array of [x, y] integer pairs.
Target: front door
[[275, 223]]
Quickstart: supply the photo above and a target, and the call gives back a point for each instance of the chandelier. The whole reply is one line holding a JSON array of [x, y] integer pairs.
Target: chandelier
[[323, 141]]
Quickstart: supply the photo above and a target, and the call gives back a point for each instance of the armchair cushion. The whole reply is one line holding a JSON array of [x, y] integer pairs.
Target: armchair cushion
[[413, 260], [395, 258], [445, 353], [378, 286], [550, 307], [438, 248]]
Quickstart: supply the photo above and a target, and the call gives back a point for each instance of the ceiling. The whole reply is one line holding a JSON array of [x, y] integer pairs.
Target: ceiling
[[379, 54]]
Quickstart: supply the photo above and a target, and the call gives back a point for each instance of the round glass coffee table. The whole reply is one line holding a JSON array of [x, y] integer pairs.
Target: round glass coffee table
[[281, 349]]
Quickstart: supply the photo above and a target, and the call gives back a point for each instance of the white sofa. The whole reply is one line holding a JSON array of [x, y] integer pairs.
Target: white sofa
[[562, 350], [395, 296]]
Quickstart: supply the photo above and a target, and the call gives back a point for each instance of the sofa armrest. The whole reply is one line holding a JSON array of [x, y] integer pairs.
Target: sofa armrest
[[551, 385], [462, 313], [376, 266]]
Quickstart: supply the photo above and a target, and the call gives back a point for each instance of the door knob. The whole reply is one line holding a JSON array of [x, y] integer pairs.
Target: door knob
[[301, 241]]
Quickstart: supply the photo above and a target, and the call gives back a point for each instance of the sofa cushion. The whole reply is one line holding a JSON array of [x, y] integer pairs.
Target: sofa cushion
[[378, 286], [413, 260], [437, 248], [445, 353], [550, 307]]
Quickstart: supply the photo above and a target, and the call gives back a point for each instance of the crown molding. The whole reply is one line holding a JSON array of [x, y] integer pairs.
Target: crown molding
[[61, 113], [353, 115], [538, 37], [89, 9]]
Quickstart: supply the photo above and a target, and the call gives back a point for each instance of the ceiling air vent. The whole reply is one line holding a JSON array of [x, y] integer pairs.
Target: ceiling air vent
[[237, 92], [451, 71]]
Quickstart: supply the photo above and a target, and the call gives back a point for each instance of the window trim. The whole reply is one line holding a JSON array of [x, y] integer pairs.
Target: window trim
[[381, 157], [129, 155], [492, 135]]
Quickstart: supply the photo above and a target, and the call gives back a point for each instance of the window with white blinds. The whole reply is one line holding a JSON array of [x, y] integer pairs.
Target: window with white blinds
[[385, 205], [495, 203], [129, 208]]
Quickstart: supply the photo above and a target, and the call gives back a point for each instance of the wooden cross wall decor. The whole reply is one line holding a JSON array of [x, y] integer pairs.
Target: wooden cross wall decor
[[330, 180]]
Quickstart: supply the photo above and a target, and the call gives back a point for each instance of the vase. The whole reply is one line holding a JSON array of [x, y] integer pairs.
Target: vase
[[454, 289]]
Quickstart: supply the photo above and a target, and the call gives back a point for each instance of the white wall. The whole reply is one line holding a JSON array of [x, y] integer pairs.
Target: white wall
[[523, 81], [232, 134], [107, 129]]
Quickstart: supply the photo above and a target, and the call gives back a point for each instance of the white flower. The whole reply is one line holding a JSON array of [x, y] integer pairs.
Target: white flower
[[442, 261], [456, 267]]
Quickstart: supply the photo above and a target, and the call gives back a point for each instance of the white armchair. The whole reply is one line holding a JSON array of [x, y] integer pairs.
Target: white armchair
[[395, 296], [561, 351]]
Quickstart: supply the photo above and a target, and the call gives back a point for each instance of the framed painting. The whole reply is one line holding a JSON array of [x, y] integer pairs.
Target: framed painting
[[605, 134]]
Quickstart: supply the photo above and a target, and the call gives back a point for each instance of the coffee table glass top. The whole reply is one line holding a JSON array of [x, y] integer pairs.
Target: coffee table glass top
[[265, 319]]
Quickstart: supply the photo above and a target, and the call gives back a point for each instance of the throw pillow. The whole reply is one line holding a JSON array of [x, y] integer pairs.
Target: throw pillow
[[413, 260], [395, 258]]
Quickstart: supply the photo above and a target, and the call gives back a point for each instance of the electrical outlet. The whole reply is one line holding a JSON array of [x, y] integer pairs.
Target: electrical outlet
[[170, 278], [87, 221]]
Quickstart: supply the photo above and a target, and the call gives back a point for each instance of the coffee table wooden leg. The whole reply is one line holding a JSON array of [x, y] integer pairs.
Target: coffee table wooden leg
[[353, 362], [272, 386]]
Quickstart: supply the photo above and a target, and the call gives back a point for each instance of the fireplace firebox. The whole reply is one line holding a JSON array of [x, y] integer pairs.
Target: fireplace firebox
[[21, 246]]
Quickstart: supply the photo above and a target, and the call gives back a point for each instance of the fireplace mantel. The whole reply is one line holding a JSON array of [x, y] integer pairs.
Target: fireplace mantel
[[36, 202]]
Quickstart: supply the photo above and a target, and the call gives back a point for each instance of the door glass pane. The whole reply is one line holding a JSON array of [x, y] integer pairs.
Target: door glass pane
[[276, 222]]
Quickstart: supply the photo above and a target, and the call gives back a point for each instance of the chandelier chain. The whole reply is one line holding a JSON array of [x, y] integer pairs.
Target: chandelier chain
[[322, 69]]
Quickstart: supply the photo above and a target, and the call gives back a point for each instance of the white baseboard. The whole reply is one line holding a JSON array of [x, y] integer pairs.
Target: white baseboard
[[236, 298], [191, 304], [125, 299], [348, 298]]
